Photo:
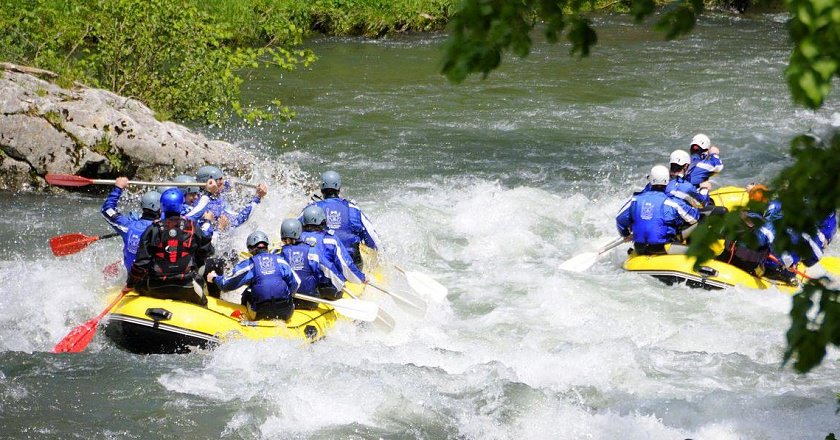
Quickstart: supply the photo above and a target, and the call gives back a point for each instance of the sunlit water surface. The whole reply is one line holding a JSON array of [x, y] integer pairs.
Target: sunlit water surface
[[487, 186]]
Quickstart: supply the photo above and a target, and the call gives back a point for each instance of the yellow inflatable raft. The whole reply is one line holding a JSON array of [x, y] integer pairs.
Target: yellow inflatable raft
[[142, 324], [714, 274]]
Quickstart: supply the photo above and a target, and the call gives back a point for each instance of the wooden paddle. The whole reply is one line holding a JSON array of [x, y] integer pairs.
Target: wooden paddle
[[69, 244], [73, 180], [81, 335]]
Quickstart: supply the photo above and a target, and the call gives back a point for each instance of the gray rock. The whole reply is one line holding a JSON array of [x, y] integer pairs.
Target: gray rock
[[47, 129]]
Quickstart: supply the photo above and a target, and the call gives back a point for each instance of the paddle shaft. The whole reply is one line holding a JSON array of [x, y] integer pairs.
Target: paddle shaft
[[342, 307], [792, 269], [141, 183], [614, 244], [73, 180], [404, 300], [245, 184], [81, 335]]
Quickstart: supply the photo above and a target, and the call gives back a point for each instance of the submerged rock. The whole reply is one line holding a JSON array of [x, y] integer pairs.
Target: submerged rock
[[45, 128]]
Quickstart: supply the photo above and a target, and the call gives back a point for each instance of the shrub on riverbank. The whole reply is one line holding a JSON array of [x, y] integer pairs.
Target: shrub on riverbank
[[182, 60], [264, 21]]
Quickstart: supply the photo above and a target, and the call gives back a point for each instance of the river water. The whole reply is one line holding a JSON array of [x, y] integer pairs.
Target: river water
[[487, 186]]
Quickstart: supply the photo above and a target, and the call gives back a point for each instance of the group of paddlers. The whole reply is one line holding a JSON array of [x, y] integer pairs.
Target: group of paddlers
[[662, 216], [168, 249]]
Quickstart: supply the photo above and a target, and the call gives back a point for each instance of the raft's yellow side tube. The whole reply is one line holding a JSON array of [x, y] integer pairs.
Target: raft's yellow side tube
[[714, 273], [151, 325]]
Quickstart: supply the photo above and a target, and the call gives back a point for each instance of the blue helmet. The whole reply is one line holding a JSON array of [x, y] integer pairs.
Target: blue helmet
[[172, 201], [314, 215], [330, 180], [151, 201], [774, 210]]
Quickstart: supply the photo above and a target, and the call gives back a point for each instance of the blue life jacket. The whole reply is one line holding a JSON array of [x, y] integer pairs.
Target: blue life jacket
[[348, 223], [131, 240], [654, 217], [129, 227], [270, 278], [684, 190], [826, 230], [334, 255], [703, 167], [338, 220], [297, 255]]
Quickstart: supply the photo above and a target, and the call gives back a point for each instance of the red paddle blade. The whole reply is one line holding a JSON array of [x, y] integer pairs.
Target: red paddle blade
[[81, 335], [78, 338], [70, 243], [67, 180]]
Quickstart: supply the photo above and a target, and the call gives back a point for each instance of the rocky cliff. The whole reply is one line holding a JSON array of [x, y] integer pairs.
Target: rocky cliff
[[45, 128]]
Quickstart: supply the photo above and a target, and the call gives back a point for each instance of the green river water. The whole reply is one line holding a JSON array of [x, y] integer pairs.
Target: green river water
[[487, 186]]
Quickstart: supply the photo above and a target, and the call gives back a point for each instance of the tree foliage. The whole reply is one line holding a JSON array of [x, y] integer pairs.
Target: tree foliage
[[167, 53], [187, 59], [815, 59], [483, 30]]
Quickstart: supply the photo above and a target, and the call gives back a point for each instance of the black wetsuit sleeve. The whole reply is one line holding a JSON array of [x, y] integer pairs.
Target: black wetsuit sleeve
[[204, 247]]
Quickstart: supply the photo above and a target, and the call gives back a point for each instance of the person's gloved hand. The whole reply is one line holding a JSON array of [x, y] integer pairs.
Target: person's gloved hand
[[262, 190]]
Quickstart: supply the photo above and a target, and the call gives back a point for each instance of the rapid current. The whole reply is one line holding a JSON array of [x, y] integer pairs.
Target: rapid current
[[487, 186]]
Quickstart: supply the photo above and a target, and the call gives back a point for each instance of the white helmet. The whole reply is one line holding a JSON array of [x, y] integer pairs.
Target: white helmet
[[659, 175], [680, 157], [702, 141]]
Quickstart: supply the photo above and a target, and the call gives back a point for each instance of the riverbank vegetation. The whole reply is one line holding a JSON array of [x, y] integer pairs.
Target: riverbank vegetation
[[187, 59]]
